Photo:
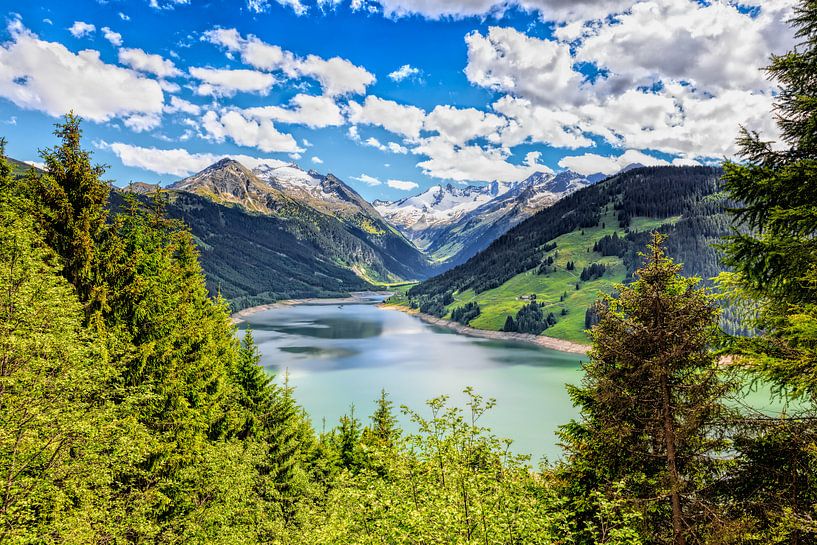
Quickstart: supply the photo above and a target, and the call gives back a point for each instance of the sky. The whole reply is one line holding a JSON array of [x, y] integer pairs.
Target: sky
[[392, 96]]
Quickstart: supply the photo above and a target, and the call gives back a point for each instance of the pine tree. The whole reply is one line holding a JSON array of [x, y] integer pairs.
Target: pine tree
[[775, 255], [51, 375], [73, 205], [384, 423], [774, 258], [650, 399]]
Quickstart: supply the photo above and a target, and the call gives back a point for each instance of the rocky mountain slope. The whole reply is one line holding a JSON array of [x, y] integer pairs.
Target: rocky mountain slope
[[565, 254], [283, 232], [451, 224]]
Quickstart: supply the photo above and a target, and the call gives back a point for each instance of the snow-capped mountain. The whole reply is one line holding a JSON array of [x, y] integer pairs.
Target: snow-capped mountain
[[452, 223], [342, 225], [437, 205]]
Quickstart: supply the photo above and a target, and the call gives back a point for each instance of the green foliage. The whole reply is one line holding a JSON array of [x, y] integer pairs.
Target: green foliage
[[465, 313], [774, 256], [72, 204], [51, 373], [650, 402]]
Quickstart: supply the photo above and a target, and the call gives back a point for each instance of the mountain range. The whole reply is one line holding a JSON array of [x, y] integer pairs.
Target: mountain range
[[453, 223], [563, 256]]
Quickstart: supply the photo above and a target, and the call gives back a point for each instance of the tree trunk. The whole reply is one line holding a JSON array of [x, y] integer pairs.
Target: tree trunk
[[672, 468]]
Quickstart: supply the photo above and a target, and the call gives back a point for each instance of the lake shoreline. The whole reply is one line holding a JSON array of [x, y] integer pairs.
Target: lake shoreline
[[551, 343], [354, 298]]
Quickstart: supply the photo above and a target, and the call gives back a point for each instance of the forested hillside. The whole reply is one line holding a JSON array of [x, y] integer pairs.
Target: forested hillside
[[583, 244], [262, 241]]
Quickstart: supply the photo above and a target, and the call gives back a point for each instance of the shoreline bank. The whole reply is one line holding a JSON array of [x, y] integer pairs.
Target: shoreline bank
[[551, 343], [354, 298]]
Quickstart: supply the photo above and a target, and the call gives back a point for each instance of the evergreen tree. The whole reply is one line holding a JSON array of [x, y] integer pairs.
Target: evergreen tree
[[774, 256], [73, 205], [650, 400], [384, 423], [51, 374]]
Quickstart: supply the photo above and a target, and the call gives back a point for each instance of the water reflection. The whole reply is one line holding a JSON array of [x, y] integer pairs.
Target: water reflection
[[338, 357]]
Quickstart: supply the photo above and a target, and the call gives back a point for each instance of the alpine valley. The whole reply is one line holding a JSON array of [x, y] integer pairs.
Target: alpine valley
[[278, 232]]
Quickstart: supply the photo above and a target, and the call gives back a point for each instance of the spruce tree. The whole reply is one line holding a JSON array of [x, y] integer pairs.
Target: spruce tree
[[51, 377], [650, 400], [73, 204], [773, 253]]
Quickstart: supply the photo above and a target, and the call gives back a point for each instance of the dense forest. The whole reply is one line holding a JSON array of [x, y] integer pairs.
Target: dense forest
[[130, 412], [637, 192]]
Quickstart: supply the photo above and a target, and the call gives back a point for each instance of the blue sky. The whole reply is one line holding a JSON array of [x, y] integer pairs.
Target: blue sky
[[390, 95]]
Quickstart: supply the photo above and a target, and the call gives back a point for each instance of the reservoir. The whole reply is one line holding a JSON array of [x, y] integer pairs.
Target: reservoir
[[337, 356]]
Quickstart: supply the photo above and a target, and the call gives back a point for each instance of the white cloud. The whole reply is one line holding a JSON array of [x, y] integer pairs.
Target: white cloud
[[539, 124], [591, 163], [176, 162], [394, 147], [317, 160], [470, 162], [714, 46], [509, 61], [402, 185], [337, 76], [260, 134], [114, 37], [261, 6], [46, 76], [123, 16], [312, 111], [148, 63], [397, 118], [180, 105], [405, 71], [460, 125], [366, 179], [80, 29], [226, 82], [143, 122]]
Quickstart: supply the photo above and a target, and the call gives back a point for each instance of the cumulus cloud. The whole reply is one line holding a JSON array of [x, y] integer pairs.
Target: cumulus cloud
[[80, 29], [337, 76], [312, 111], [253, 133], [402, 185], [397, 118], [114, 37], [226, 82], [261, 6], [148, 63], [713, 46], [46, 76], [591, 163], [180, 105], [366, 179], [471, 162], [317, 160], [405, 71], [509, 61], [176, 162], [677, 76], [460, 125]]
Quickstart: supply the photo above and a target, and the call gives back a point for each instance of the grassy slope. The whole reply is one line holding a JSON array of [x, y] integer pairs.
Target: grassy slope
[[498, 303]]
